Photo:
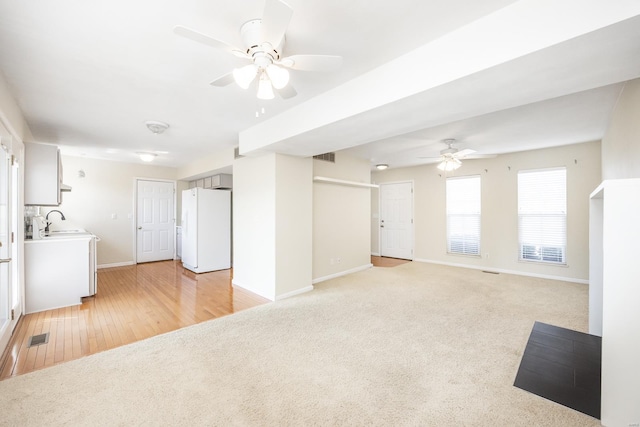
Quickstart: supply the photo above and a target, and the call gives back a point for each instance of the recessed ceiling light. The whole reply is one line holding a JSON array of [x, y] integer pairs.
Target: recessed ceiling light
[[382, 166]]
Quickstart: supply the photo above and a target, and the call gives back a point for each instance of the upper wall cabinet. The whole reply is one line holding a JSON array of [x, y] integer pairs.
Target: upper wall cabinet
[[221, 181], [43, 175]]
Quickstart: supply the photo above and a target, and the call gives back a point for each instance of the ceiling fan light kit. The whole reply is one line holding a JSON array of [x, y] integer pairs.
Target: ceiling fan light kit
[[449, 164], [265, 90], [245, 75], [279, 76]]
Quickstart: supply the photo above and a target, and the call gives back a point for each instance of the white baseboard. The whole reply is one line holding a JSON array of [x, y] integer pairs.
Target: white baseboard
[[277, 298], [116, 264], [500, 270], [375, 254], [294, 293], [246, 288], [342, 273]]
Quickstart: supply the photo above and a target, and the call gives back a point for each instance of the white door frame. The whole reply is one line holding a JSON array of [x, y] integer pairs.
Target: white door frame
[[15, 213], [413, 207], [134, 223]]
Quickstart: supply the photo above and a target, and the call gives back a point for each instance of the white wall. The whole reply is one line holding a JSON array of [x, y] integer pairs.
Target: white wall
[[221, 159], [620, 319], [499, 234], [254, 210], [11, 115], [272, 225], [294, 211], [621, 143], [341, 224], [107, 188]]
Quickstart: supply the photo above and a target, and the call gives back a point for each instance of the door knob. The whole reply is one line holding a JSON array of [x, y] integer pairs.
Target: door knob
[[382, 226], [140, 228], [3, 260]]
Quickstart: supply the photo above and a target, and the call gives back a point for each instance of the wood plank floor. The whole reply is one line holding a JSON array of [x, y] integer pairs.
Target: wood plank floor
[[132, 303], [380, 261]]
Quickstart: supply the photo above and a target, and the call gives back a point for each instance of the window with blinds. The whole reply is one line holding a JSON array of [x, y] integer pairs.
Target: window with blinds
[[542, 215], [463, 215]]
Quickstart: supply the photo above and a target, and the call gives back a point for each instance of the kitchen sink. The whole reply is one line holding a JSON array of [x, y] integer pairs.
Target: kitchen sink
[[59, 234]]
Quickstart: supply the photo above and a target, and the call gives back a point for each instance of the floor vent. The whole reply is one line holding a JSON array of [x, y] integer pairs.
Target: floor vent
[[38, 339], [490, 272]]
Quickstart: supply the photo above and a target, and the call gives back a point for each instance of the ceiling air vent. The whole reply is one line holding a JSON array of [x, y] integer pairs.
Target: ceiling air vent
[[236, 153], [327, 157]]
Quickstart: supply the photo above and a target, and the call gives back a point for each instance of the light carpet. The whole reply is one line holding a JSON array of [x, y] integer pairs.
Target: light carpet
[[413, 345]]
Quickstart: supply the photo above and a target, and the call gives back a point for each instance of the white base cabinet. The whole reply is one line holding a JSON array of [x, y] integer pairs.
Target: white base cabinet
[[58, 272]]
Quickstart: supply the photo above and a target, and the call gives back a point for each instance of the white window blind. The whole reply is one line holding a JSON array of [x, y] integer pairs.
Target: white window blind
[[542, 215], [463, 215]]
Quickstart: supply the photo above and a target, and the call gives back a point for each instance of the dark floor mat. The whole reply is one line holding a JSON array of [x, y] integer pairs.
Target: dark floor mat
[[563, 366]]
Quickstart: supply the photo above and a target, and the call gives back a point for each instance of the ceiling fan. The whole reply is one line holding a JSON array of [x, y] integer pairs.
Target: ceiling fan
[[263, 42], [450, 156]]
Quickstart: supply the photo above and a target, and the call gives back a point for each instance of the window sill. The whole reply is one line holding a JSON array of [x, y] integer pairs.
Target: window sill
[[547, 263], [464, 255]]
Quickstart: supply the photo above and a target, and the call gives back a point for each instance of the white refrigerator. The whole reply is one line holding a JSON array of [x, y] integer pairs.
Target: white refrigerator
[[206, 229]]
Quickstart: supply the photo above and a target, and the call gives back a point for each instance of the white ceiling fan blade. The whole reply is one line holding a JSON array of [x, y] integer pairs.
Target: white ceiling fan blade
[[480, 156], [464, 153], [275, 20], [225, 80], [287, 92], [207, 40], [312, 62]]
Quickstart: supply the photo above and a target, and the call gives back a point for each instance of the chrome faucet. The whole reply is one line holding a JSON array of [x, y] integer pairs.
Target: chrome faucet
[[46, 228]]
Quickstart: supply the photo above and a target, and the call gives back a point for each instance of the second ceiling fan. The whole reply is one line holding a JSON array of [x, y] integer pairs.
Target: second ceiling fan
[[263, 41], [450, 157]]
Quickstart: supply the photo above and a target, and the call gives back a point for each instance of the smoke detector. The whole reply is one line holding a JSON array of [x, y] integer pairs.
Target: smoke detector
[[156, 127]]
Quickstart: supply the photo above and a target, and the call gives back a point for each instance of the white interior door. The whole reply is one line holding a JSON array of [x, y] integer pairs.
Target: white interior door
[[396, 220], [155, 220]]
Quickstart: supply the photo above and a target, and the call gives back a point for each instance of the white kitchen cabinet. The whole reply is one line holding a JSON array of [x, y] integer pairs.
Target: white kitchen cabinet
[[43, 175], [219, 181], [222, 180], [58, 272]]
